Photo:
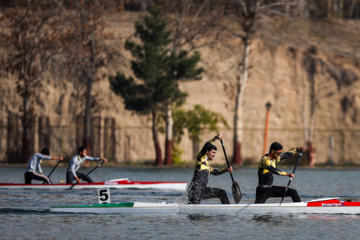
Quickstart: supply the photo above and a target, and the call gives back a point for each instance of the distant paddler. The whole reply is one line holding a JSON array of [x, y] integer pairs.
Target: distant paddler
[[198, 189], [33, 169], [74, 165], [267, 168]]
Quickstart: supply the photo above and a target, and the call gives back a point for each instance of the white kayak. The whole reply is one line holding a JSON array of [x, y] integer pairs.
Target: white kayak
[[122, 183], [323, 206]]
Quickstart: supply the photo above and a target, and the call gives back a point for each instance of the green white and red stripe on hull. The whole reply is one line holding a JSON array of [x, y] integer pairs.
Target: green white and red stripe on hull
[[318, 206], [123, 183]]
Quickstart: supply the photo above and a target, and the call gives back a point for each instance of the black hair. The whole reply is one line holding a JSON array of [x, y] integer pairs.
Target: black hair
[[81, 149], [211, 147], [275, 146], [45, 151]]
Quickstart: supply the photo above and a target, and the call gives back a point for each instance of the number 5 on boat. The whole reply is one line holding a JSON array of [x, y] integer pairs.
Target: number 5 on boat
[[104, 196]]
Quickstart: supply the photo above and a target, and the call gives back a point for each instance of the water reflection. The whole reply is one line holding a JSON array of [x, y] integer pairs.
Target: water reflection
[[207, 217], [277, 219], [273, 219], [333, 218]]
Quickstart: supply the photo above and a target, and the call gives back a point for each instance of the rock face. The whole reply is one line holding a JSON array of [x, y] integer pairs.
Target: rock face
[[294, 65]]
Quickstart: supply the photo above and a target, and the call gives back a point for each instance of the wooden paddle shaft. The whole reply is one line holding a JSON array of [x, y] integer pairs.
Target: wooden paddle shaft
[[227, 161], [287, 187], [54, 168], [88, 173]]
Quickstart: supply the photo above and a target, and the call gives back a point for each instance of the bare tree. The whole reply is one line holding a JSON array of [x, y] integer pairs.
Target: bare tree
[[32, 34], [187, 21], [318, 87], [352, 7], [244, 14], [340, 8], [88, 52], [314, 89]]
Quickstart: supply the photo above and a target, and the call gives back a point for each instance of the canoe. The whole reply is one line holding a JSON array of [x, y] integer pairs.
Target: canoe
[[317, 206], [122, 183]]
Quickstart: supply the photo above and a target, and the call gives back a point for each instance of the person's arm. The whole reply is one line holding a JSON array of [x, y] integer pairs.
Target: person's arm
[[55, 158], [219, 171], [38, 167], [288, 154], [274, 170], [95, 159], [206, 145], [39, 158], [292, 152], [72, 167], [78, 179]]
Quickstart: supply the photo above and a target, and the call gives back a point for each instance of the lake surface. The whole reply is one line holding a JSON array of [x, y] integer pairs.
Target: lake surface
[[24, 214]]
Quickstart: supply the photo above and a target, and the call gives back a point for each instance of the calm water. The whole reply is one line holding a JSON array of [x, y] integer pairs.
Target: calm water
[[24, 214]]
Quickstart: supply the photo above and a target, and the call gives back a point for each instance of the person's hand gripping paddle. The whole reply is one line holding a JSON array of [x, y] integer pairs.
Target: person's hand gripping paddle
[[235, 187]]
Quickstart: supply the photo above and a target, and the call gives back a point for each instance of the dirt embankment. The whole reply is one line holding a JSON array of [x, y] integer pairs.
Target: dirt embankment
[[279, 74]]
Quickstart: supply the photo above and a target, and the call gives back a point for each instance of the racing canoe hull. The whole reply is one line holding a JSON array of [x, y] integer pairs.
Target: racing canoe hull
[[114, 184], [321, 206]]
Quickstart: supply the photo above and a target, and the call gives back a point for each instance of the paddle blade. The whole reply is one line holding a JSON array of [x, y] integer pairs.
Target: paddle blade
[[236, 192]]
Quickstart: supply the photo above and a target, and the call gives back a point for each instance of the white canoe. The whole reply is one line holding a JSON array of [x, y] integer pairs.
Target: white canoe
[[122, 183], [323, 206]]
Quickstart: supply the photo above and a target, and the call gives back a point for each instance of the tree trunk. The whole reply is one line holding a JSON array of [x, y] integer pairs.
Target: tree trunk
[[311, 153], [266, 131], [169, 136], [341, 9], [158, 160], [196, 149], [237, 154], [310, 105], [303, 9], [329, 9], [26, 120], [168, 152], [238, 117], [87, 119], [351, 8]]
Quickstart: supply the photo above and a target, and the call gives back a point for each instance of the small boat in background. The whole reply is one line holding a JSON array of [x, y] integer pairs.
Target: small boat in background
[[122, 183]]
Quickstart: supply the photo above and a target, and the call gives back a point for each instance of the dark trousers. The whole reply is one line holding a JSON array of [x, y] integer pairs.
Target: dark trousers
[[36, 176], [70, 177], [196, 195], [263, 193]]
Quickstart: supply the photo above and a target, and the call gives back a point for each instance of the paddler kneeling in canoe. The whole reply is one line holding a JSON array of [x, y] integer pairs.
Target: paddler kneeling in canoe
[[267, 168], [33, 169], [74, 165], [198, 190]]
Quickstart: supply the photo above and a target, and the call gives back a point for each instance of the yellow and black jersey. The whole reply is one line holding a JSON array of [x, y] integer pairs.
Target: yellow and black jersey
[[267, 167], [203, 168]]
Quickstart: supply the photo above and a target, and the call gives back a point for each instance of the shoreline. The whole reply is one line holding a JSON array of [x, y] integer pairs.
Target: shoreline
[[151, 166]]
